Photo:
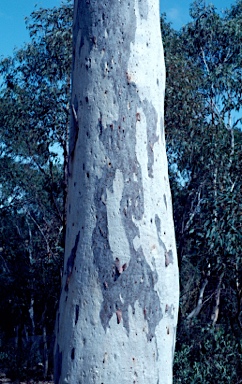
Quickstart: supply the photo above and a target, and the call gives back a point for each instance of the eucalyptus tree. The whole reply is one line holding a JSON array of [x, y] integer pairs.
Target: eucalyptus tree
[[119, 300], [204, 149], [212, 41], [34, 117]]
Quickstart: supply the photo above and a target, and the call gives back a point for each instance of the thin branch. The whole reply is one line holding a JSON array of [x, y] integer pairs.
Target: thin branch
[[195, 210], [41, 231], [198, 308], [214, 316]]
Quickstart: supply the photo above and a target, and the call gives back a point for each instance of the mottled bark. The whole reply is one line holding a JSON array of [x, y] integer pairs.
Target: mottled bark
[[119, 299]]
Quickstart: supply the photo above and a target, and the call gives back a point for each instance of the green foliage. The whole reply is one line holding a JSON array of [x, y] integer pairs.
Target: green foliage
[[34, 119], [214, 44], [204, 142], [208, 357]]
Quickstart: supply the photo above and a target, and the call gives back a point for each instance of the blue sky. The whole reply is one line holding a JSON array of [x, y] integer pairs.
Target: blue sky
[[178, 11], [13, 32]]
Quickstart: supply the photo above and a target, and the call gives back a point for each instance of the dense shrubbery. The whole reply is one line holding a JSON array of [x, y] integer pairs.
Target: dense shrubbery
[[204, 146], [207, 355]]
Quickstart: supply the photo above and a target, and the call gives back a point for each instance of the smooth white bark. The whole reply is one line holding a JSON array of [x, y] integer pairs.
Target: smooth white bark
[[119, 300]]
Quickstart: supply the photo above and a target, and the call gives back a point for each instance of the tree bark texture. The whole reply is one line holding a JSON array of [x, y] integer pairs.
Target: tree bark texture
[[119, 301]]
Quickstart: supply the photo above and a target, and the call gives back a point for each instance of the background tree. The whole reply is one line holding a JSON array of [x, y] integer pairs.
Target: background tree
[[34, 118], [119, 299], [204, 168]]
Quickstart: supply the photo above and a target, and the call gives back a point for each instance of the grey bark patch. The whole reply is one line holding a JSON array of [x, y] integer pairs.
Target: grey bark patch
[[168, 258], [162, 126], [152, 138], [136, 282], [158, 229], [157, 223], [58, 365], [164, 197], [71, 261]]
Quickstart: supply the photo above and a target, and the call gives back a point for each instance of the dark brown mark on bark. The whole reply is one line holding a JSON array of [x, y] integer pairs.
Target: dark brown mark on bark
[[71, 261], [77, 314]]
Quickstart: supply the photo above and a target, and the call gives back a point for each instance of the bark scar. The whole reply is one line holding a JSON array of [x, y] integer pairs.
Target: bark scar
[[71, 261], [119, 315], [119, 269], [168, 258]]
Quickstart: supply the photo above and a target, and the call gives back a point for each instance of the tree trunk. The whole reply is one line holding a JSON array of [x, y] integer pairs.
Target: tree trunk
[[119, 301]]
